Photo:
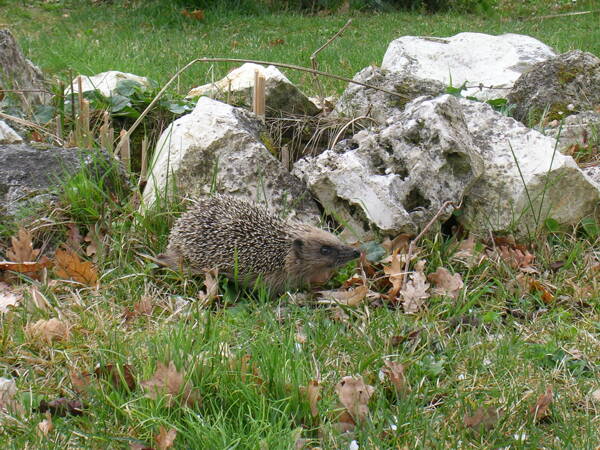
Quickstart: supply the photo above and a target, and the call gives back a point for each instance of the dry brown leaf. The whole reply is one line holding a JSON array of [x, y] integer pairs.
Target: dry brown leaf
[[27, 268], [80, 381], [48, 331], [118, 377], [537, 286], [541, 408], [165, 438], [167, 383], [354, 395], [395, 273], [313, 392], [466, 253], [45, 426], [70, 266], [399, 244], [22, 248], [516, 257], [446, 283], [484, 418], [300, 335], [142, 308], [197, 14], [211, 282], [62, 406], [8, 392], [8, 297], [395, 372], [349, 298], [415, 290]]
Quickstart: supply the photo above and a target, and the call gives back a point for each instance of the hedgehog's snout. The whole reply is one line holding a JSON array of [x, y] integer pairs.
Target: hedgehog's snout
[[346, 254]]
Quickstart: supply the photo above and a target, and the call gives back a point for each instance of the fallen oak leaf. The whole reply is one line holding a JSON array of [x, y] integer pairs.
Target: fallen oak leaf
[[70, 266], [22, 248], [167, 383], [541, 408], [165, 438], [80, 381], [415, 290], [349, 298], [484, 418], [445, 283], [45, 426], [8, 393], [48, 331], [395, 273], [354, 395], [395, 373], [142, 308], [313, 393], [26, 267], [211, 282]]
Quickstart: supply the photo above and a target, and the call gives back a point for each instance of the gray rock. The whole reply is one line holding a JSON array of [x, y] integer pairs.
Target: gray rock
[[566, 84], [474, 58], [8, 135], [218, 146], [31, 175], [581, 129], [396, 178], [525, 180], [359, 100], [17, 72]]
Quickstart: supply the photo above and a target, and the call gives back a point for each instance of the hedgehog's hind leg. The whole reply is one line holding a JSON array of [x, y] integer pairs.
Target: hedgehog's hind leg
[[172, 259]]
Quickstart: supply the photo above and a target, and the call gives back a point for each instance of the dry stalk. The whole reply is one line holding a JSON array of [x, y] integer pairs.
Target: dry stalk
[[29, 124], [313, 57]]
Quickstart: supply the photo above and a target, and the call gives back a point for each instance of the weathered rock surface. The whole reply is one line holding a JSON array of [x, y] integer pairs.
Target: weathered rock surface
[[105, 82], [566, 84], [219, 145], [359, 100], [281, 96], [475, 58], [8, 135], [581, 129], [397, 178], [17, 72], [30, 175], [525, 180]]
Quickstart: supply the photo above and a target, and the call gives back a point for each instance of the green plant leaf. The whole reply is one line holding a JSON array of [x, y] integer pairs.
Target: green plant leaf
[[44, 113], [127, 88], [118, 103], [591, 228], [552, 225]]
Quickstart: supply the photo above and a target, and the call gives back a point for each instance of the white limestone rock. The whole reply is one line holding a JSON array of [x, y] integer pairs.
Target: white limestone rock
[[281, 95], [8, 135], [396, 178], [525, 180], [105, 82], [218, 145], [475, 58]]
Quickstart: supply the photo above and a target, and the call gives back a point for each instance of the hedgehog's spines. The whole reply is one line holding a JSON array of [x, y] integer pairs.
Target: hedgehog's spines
[[221, 231]]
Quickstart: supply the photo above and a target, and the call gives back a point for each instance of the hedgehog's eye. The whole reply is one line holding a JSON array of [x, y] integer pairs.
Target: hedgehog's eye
[[326, 250]]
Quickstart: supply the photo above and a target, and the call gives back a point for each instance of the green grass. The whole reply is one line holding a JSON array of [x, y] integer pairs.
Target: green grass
[[154, 39], [496, 345]]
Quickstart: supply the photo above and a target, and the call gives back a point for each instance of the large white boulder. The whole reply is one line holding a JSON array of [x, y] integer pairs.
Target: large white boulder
[[396, 178], [105, 82], [475, 58], [218, 147], [281, 95], [525, 181]]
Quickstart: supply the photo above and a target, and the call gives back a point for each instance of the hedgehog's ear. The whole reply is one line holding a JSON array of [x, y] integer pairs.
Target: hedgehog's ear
[[298, 244]]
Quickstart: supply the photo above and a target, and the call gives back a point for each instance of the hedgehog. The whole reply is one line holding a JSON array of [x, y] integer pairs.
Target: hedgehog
[[247, 242]]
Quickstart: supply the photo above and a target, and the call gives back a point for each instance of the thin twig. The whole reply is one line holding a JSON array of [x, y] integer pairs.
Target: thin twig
[[414, 242], [29, 124], [553, 16], [266, 63], [337, 136], [313, 57], [26, 90]]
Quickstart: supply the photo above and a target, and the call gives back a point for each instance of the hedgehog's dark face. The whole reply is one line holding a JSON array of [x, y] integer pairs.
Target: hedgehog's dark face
[[319, 250]]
